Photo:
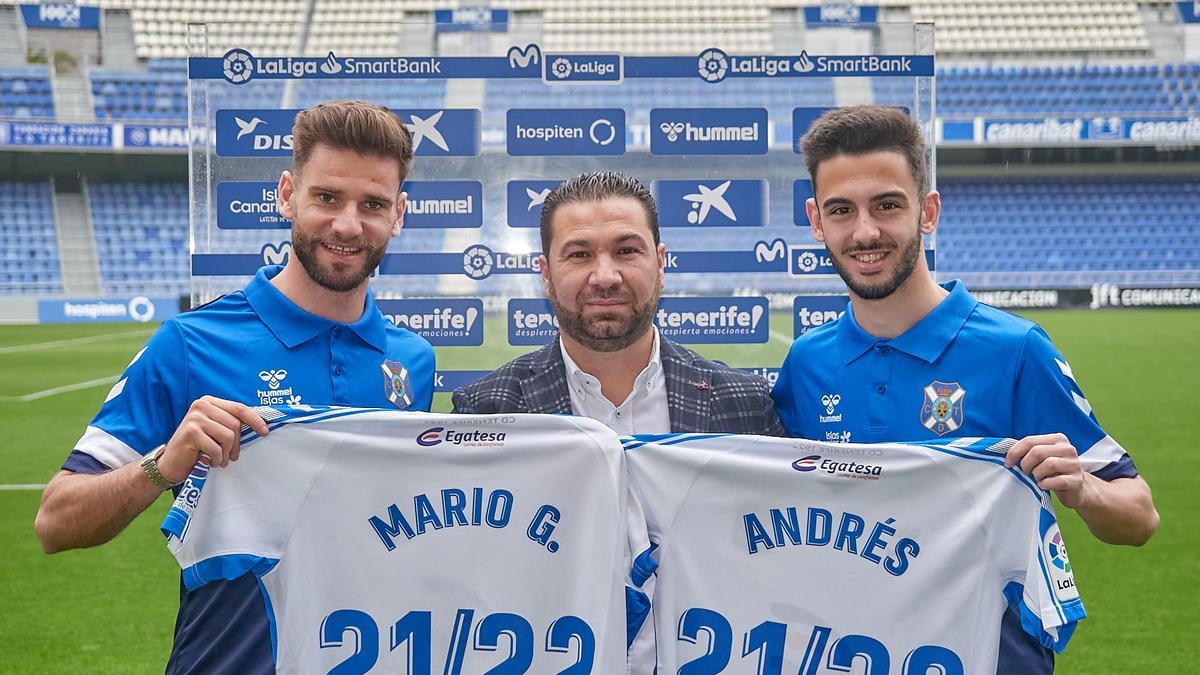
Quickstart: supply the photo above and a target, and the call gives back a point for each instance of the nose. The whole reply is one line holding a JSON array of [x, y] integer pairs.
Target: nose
[[346, 223], [605, 273], [865, 228]]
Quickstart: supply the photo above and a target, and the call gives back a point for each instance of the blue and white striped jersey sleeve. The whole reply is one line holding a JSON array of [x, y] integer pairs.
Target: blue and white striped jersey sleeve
[[141, 410], [1048, 399]]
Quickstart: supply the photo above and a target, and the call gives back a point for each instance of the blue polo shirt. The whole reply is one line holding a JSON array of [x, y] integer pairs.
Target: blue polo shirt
[[256, 347], [966, 369]]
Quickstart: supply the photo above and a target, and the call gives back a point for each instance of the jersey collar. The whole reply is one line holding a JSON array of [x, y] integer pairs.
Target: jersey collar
[[926, 340], [293, 325]]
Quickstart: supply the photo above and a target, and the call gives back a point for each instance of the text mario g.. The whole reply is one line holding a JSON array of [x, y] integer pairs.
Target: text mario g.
[[456, 507]]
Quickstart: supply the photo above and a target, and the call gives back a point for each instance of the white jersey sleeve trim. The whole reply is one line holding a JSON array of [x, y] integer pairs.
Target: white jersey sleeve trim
[[1104, 452], [106, 448]]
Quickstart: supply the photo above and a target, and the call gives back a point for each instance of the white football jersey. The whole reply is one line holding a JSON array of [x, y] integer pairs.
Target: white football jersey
[[792, 556], [397, 542]]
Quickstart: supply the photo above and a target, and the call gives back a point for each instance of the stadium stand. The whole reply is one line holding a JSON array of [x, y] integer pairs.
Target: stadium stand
[[1050, 224], [25, 92], [1004, 27], [29, 247], [141, 236]]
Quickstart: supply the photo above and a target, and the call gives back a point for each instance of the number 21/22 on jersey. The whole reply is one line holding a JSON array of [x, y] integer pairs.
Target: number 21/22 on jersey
[[411, 543], [793, 557]]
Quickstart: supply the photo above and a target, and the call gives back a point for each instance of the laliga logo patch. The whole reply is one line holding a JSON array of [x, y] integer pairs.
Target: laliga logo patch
[[396, 385], [522, 58], [238, 66], [478, 261], [276, 255], [1060, 565], [714, 64], [943, 408], [672, 130]]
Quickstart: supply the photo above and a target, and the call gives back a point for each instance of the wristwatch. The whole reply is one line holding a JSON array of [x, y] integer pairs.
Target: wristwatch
[[150, 467]]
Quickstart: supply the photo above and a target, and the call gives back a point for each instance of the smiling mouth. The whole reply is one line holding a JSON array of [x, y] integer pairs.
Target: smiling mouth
[[341, 250], [870, 257]]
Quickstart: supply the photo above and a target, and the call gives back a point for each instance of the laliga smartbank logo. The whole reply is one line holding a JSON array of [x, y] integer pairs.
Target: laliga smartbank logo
[[1060, 565], [239, 66], [714, 65]]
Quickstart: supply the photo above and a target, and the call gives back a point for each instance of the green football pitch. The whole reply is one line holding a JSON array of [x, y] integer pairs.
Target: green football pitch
[[111, 609]]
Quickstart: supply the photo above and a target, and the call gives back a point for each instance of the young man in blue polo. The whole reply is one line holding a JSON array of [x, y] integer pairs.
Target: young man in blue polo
[[305, 333], [912, 360]]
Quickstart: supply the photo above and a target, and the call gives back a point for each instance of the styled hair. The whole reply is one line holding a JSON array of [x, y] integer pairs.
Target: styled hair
[[858, 130], [358, 126], [595, 186]]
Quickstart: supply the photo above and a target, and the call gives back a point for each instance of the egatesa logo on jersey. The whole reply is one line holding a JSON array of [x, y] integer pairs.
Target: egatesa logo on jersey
[[806, 464], [468, 439], [841, 469]]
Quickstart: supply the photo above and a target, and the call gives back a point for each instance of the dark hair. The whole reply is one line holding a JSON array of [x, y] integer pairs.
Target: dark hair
[[595, 186], [361, 127], [858, 130]]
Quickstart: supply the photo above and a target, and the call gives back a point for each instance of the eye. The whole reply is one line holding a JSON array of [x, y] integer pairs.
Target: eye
[[373, 205], [889, 205], [839, 210], [325, 198], [578, 255], [629, 250]]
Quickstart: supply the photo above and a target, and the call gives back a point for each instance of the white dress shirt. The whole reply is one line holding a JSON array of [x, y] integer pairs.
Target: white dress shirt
[[644, 411]]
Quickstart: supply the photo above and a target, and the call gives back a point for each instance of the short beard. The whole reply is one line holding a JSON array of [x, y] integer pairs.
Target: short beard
[[305, 250], [602, 336], [910, 255]]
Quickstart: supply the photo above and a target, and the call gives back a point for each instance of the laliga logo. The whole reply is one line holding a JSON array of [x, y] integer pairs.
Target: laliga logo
[[522, 58], [714, 64], [272, 377], [672, 130], [276, 255], [478, 261], [830, 402], [807, 261], [561, 68], [238, 66], [806, 464], [430, 437]]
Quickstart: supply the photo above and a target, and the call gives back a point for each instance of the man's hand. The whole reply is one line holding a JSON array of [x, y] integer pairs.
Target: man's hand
[[1120, 511], [1054, 462], [211, 430]]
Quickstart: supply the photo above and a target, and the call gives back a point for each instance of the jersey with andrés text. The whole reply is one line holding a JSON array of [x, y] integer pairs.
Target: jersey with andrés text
[[785, 556], [401, 542]]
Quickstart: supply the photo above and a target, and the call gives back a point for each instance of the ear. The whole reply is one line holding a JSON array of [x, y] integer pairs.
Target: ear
[[662, 264], [814, 219], [544, 270], [401, 206], [285, 195], [931, 211]]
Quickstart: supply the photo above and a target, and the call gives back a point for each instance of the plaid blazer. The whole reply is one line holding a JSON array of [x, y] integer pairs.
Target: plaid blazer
[[702, 396]]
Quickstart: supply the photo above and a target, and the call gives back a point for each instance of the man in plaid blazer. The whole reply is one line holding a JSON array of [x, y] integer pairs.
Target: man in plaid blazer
[[602, 270]]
